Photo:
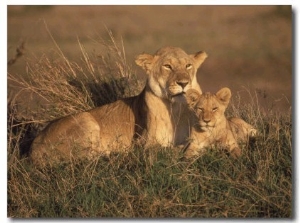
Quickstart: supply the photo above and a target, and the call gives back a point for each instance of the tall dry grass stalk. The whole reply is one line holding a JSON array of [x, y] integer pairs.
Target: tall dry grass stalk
[[67, 87], [60, 87]]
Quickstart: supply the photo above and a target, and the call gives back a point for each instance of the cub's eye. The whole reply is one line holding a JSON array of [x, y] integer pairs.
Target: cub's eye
[[215, 109], [167, 66], [199, 109], [189, 66]]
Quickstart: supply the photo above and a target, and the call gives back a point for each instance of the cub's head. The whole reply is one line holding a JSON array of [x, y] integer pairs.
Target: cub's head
[[208, 108], [171, 72]]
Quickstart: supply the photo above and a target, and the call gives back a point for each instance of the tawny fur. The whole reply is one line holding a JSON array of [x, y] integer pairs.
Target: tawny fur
[[156, 116], [210, 127]]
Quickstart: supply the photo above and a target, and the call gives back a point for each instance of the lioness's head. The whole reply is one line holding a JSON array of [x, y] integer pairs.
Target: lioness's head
[[171, 72], [208, 108]]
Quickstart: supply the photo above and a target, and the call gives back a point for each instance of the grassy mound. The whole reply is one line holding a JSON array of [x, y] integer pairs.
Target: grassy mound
[[142, 183]]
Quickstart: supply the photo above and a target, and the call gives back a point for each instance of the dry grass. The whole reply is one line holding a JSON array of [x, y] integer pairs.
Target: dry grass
[[142, 183]]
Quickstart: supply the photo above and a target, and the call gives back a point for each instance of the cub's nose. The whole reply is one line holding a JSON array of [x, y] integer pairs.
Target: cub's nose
[[182, 83]]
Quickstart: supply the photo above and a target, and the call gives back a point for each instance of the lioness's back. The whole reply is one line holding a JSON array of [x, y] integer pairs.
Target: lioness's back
[[241, 130], [98, 130]]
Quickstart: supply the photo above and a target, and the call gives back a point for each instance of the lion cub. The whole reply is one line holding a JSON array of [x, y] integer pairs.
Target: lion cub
[[210, 127]]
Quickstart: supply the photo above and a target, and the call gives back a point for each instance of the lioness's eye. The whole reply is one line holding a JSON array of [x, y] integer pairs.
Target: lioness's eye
[[215, 109], [167, 66], [188, 66]]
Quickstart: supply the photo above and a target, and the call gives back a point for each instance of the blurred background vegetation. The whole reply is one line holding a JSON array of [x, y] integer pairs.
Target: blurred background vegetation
[[248, 46]]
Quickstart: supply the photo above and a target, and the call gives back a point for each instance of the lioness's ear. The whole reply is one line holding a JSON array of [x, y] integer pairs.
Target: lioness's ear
[[192, 96], [224, 95], [199, 58], [145, 61]]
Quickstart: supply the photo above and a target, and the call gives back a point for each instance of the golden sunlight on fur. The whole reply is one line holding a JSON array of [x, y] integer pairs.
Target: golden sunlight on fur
[[155, 116]]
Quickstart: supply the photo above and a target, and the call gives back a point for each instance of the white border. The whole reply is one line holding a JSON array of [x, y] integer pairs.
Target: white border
[[150, 2], [3, 80], [3, 110]]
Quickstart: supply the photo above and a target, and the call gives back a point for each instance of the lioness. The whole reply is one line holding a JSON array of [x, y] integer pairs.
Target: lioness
[[210, 126], [155, 116]]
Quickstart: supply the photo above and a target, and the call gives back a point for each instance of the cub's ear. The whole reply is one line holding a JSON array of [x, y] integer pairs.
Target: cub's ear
[[192, 96], [145, 61], [199, 58], [224, 95]]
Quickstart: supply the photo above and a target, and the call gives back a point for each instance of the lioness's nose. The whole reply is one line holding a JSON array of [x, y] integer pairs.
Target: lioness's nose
[[182, 83], [206, 120]]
